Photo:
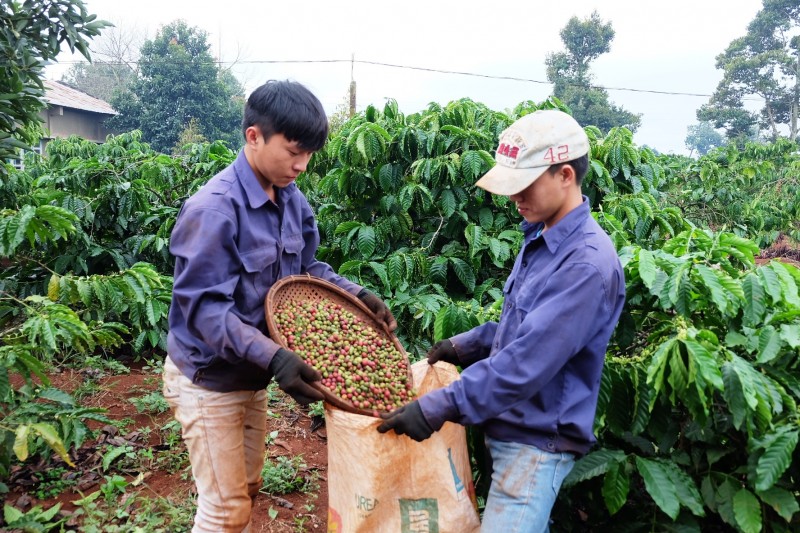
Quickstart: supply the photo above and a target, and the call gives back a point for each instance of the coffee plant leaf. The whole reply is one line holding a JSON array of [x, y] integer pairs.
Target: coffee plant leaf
[[659, 485], [769, 344], [778, 448], [747, 511], [781, 500], [593, 464], [616, 485]]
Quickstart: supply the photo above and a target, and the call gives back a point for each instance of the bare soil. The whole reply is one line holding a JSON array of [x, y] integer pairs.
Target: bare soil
[[783, 249], [298, 434]]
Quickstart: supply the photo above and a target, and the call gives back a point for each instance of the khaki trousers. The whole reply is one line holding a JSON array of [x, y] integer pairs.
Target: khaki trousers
[[224, 433]]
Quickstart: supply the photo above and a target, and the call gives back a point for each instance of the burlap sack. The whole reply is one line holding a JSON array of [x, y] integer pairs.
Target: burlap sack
[[390, 483]]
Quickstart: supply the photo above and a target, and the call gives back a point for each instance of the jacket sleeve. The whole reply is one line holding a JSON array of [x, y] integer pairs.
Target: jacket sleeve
[[557, 325], [203, 243]]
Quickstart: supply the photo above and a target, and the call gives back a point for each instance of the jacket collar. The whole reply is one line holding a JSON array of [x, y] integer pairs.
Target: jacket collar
[[561, 230], [256, 196]]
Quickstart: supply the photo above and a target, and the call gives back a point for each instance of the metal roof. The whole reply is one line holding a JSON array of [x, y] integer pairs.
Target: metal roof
[[59, 94]]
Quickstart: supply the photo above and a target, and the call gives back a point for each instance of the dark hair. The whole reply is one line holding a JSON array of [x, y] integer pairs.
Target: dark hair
[[581, 166], [288, 108]]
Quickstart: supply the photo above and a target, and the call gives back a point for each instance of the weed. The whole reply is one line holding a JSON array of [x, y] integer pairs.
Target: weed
[[52, 482], [102, 366], [123, 423], [287, 475], [88, 387], [271, 436], [316, 409], [115, 485], [115, 452], [152, 402], [135, 513], [33, 520]]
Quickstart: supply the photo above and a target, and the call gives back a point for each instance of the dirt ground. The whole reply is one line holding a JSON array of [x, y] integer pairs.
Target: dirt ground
[[783, 249], [298, 434]]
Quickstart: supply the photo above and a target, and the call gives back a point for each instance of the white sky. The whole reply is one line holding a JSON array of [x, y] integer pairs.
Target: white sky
[[668, 46]]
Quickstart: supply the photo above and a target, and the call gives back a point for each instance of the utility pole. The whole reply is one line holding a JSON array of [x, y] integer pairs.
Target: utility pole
[[352, 87]]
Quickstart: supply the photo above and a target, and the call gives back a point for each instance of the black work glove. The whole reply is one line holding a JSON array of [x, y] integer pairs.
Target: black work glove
[[407, 420], [294, 375], [443, 351], [379, 307]]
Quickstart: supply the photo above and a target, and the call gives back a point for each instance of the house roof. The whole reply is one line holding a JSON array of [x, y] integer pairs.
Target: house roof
[[59, 94]]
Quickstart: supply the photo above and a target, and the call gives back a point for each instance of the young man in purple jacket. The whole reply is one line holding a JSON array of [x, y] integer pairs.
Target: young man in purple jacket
[[531, 381], [245, 229]]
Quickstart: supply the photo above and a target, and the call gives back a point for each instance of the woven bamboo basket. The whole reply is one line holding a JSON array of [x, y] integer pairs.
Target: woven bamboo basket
[[307, 288]]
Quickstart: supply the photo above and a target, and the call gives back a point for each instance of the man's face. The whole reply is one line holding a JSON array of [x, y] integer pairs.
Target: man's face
[[544, 200], [278, 161]]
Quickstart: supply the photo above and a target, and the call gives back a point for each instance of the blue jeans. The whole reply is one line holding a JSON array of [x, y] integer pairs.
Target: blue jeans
[[525, 483]]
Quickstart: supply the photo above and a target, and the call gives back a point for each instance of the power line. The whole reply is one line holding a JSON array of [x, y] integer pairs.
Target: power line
[[409, 67]]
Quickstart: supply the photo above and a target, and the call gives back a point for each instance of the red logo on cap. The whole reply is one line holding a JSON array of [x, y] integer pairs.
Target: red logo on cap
[[508, 150]]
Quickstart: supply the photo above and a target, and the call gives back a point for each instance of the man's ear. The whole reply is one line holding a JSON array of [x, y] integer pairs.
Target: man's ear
[[251, 135], [567, 173]]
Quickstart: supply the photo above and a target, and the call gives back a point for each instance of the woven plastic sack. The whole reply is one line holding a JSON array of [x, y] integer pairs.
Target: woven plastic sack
[[391, 483]]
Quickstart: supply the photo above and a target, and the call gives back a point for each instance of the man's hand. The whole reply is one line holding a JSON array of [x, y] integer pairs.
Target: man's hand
[[294, 375], [443, 351], [379, 307], [408, 420]]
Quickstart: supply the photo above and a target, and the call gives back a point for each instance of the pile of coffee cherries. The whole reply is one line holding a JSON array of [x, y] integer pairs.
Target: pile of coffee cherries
[[358, 364]]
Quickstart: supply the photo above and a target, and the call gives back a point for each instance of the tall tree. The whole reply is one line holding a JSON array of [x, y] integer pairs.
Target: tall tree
[[179, 81], [569, 72], [32, 33], [762, 65], [115, 63]]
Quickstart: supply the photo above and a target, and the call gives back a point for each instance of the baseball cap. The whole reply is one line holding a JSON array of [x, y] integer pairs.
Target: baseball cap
[[530, 146]]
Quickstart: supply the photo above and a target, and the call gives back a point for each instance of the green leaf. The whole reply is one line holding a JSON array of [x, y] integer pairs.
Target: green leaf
[[712, 283], [592, 465], [754, 307], [705, 363], [769, 344], [113, 454], [447, 202], [366, 241], [647, 268], [464, 273], [658, 484], [685, 488], [777, 457], [782, 501], [11, 514], [747, 511], [58, 396], [734, 395], [790, 333], [471, 165], [616, 485]]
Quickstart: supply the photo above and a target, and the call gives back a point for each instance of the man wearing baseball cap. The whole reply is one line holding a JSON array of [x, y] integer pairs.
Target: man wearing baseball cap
[[531, 381]]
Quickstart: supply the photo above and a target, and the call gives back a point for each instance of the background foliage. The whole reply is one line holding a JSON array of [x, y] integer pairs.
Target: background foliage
[[697, 422]]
